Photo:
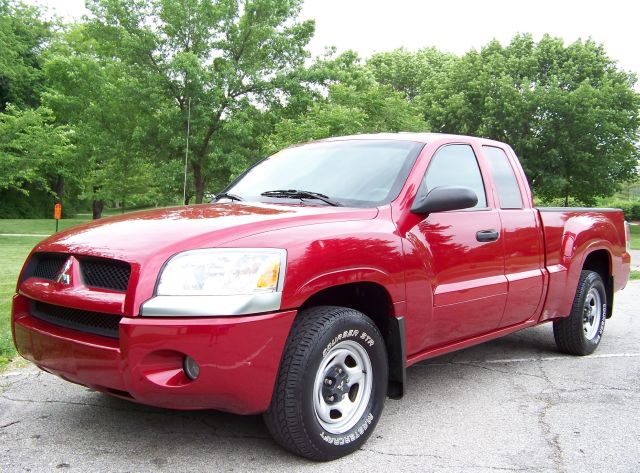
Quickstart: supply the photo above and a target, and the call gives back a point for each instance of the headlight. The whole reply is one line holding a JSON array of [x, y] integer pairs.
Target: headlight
[[223, 271]]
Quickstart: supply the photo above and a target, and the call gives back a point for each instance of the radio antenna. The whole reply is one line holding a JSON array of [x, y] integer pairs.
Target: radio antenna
[[186, 156]]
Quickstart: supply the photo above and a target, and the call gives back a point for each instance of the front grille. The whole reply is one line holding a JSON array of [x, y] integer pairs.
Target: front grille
[[82, 320], [106, 274], [102, 273], [48, 265]]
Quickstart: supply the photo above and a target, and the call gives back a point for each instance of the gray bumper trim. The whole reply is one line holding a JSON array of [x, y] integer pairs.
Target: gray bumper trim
[[211, 306]]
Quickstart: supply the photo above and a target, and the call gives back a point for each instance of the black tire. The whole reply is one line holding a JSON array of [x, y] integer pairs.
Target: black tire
[[574, 334], [321, 336]]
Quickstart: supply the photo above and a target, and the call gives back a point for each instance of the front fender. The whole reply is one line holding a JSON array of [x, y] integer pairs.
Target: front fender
[[340, 277], [323, 255]]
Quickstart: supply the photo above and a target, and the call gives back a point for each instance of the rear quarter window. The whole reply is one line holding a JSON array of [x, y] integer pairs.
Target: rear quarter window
[[504, 177]]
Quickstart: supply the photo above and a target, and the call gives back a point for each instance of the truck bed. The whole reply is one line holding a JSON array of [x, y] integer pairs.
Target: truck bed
[[572, 233]]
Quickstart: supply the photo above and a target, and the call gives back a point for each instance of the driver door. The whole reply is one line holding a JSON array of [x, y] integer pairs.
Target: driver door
[[462, 252]]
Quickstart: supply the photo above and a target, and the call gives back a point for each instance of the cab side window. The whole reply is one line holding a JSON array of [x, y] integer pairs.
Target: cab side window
[[504, 177], [456, 165]]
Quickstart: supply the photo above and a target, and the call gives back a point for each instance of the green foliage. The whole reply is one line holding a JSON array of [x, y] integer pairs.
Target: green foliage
[[14, 204], [631, 209], [569, 113], [629, 192], [413, 74], [228, 57], [116, 118], [97, 111], [355, 103], [33, 150], [23, 35], [348, 111]]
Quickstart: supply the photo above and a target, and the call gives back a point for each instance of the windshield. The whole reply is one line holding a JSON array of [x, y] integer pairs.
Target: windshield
[[357, 173]]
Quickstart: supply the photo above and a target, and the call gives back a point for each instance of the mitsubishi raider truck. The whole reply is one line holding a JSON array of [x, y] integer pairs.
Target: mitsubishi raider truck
[[316, 278]]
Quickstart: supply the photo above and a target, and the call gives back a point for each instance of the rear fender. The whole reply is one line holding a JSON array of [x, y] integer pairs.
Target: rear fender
[[582, 235]]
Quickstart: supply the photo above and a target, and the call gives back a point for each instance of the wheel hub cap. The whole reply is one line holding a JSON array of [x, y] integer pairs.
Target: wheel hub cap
[[342, 387], [336, 385], [592, 314]]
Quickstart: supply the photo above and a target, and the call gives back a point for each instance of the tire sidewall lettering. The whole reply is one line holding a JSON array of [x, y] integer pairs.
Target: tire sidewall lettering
[[351, 334], [598, 336], [602, 320], [347, 438]]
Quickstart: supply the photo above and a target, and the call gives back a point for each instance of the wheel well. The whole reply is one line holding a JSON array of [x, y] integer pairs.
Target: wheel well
[[374, 301], [600, 262]]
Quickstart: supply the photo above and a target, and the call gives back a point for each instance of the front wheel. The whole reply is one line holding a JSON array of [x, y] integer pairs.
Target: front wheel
[[331, 385], [581, 332]]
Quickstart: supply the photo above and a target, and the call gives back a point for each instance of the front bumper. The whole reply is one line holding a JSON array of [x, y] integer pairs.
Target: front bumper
[[238, 357]]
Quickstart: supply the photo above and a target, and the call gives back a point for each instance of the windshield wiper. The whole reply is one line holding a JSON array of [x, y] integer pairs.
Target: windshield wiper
[[226, 195], [299, 194]]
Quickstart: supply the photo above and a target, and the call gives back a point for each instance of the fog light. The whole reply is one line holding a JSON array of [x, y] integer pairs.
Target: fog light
[[190, 367]]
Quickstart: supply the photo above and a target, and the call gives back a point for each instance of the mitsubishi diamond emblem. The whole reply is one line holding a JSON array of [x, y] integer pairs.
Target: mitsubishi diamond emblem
[[64, 276]]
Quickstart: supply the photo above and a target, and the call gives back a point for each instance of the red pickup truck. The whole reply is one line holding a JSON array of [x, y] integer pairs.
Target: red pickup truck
[[315, 280]]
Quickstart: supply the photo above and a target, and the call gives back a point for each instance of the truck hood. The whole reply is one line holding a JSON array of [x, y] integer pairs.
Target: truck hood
[[137, 236]]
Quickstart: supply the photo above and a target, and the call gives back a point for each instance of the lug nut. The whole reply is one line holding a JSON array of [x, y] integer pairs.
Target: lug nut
[[328, 382], [331, 398]]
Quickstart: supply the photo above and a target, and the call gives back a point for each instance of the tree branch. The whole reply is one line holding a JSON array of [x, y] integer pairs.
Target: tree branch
[[213, 126], [175, 91]]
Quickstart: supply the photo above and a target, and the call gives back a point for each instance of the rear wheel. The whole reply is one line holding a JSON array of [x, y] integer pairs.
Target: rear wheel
[[581, 332], [331, 384]]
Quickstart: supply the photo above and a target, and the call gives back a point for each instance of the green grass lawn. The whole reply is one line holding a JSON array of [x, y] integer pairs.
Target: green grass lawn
[[14, 251], [38, 226], [635, 236], [635, 245], [47, 226]]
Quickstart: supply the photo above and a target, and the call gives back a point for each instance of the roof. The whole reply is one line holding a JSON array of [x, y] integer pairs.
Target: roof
[[409, 136]]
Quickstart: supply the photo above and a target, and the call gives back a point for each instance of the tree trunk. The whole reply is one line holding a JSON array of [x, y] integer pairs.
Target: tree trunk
[[198, 181], [98, 206], [58, 188], [567, 175]]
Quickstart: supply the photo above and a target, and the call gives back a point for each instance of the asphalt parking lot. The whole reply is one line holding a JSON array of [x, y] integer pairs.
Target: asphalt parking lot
[[514, 404]]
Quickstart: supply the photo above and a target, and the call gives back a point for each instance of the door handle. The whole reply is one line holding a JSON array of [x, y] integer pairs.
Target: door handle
[[487, 235]]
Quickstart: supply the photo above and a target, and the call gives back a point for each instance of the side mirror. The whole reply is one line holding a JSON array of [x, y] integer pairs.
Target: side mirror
[[443, 198]]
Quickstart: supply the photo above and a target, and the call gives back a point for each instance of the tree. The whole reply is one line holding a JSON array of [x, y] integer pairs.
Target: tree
[[121, 145], [570, 114], [349, 111], [227, 56], [350, 101], [35, 153], [411, 73], [34, 162], [23, 35]]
